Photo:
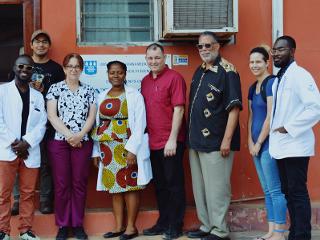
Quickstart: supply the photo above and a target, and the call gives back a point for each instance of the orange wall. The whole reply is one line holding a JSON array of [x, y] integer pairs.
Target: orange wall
[[59, 19]]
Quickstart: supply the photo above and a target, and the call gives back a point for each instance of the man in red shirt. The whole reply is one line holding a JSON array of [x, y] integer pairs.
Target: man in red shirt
[[164, 92]]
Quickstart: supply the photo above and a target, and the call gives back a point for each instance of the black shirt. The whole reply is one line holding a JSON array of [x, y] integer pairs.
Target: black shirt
[[49, 73], [25, 97], [213, 93]]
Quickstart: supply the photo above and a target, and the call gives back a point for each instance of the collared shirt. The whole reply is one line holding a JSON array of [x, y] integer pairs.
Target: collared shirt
[[161, 95], [213, 94]]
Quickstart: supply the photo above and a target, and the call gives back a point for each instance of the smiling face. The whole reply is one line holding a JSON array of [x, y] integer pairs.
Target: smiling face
[[40, 46], [73, 69], [282, 54], [257, 64], [156, 60], [209, 49], [23, 69], [116, 75]]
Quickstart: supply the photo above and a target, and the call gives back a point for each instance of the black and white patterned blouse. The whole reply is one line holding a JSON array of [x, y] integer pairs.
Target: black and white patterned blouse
[[72, 107]]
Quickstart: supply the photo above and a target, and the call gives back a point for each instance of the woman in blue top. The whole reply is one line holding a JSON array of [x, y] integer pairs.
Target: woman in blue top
[[260, 105]]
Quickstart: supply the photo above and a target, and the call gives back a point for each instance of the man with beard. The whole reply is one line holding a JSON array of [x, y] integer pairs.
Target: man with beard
[[22, 127], [214, 135], [45, 73], [296, 109]]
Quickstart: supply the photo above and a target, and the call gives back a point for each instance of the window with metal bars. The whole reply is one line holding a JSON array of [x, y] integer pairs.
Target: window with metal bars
[[116, 21]]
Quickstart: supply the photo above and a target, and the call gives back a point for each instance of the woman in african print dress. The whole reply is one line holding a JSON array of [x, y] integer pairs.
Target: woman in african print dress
[[121, 149]]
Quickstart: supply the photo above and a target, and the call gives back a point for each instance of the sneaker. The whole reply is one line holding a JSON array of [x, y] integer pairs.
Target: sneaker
[[28, 235], [62, 233], [4, 236], [79, 233], [15, 208]]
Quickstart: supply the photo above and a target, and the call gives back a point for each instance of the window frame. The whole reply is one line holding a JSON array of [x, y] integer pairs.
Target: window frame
[[156, 21]]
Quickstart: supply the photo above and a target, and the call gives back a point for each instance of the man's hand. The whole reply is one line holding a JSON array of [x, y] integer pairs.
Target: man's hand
[[20, 148], [170, 148], [37, 85], [280, 130], [131, 158], [225, 148]]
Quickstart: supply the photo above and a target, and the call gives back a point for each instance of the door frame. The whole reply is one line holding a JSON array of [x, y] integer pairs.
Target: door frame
[[31, 19]]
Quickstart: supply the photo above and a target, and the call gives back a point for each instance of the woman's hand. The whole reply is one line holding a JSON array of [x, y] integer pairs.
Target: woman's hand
[[75, 139], [251, 145], [256, 149], [96, 161], [131, 158]]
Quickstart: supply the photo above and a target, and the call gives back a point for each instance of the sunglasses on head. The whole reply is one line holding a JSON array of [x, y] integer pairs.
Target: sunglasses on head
[[26, 66], [206, 45]]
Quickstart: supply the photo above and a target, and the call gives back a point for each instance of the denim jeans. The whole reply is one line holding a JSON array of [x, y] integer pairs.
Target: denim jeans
[[268, 174], [293, 175]]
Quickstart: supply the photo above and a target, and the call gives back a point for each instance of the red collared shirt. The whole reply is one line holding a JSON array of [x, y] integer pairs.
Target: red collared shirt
[[161, 95]]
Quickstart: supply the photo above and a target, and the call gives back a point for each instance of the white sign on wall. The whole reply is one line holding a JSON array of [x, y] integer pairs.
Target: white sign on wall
[[95, 69]]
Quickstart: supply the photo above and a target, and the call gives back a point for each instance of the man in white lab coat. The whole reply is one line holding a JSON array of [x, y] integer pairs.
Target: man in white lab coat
[[22, 127], [296, 110]]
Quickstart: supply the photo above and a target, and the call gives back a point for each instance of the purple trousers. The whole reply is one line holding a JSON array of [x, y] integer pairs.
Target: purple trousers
[[70, 171]]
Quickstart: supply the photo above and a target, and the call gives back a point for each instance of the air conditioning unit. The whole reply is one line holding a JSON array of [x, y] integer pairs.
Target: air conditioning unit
[[186, 19]]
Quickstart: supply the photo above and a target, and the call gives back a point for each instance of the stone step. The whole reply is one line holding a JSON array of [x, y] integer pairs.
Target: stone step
[[241, 218]]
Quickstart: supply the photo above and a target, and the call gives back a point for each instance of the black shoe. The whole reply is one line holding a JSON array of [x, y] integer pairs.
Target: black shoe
[[214, 237], [62, 233], [46, 207], [79, 233], [113, 234], [129, 236], [15, 208], [198, 233], [172, 234], [155, 230]]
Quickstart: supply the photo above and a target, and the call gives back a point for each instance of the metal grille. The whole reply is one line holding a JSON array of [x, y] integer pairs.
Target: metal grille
[[202, 14], [116, 20]]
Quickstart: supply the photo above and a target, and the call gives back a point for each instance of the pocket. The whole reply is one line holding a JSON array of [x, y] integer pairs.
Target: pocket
[[162, 95]]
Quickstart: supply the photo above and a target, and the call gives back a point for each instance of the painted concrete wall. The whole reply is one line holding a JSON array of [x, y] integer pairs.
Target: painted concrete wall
[[300, 21]]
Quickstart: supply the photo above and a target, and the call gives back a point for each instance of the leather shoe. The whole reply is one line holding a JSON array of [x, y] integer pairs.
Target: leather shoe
[[113, 234], [155, 230], [170, 235], [214, 237], [129, 236], [15, 208], [46, 207], [198, 233]]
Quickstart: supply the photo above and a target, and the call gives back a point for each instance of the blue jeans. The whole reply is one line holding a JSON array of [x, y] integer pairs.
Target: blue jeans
[[268, 174]]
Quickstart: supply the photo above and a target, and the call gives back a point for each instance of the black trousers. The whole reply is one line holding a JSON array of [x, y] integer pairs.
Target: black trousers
[[168, 177], [293, 173]]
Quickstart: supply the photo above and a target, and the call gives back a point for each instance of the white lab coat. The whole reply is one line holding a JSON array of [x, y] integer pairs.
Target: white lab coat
[[297, 110], [138, 142], [10, 123]]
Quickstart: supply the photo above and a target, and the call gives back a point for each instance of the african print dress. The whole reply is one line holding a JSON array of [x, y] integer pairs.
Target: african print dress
[[112, 135]]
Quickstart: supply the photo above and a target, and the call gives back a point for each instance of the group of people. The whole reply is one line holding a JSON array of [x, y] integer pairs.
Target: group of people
[[134, 137]]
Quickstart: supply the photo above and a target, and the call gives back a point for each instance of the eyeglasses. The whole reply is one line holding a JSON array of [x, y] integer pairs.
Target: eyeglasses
[[39, 41], [206, 45], [26, 66], [274, 51], [70, 67]]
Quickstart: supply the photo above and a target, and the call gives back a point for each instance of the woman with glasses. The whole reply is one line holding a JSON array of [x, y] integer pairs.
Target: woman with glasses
[[71, 111], [260, 105], [121, 149]]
